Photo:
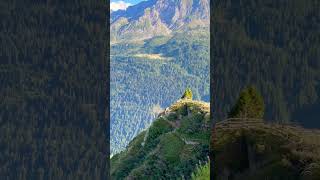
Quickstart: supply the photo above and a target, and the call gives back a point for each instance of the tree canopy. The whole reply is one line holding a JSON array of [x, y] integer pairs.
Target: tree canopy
[[250, 104], [187, 94]]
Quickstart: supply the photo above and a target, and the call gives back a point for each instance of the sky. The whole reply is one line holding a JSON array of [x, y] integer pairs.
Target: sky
[[122, 4]]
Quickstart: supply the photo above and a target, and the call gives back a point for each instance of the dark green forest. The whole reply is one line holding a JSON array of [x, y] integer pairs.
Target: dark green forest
[[53, 90], [274, 45]]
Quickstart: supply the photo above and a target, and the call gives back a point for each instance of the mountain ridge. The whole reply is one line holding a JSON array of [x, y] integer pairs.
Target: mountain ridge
[[254, 149], [158, 18], [171, 147]]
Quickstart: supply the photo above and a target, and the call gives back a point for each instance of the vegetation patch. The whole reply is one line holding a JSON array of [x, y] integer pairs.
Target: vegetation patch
[[158, 128], [151, 56], [202, 172], [164, 151], [172, 147], [259, 150]]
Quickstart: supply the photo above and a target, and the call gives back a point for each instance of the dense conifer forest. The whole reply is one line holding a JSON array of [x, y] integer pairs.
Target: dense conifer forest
[[274, 45], [53, 95], [152, 74]]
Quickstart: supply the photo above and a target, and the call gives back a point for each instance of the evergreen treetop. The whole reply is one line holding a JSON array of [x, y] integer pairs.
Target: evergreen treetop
[[249, 105], [187, 94]]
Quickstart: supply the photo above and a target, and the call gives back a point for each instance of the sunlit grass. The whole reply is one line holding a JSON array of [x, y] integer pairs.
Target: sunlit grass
[[151, 56]]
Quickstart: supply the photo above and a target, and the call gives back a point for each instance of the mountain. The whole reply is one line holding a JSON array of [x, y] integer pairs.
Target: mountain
[[173, 147], [158, 18], [151, 72], [253, 149]]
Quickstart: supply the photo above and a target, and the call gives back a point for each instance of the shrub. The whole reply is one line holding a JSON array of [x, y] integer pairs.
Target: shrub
[[187, 94]]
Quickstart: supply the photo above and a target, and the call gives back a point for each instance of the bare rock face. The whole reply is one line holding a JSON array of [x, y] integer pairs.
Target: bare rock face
[[158, 18]]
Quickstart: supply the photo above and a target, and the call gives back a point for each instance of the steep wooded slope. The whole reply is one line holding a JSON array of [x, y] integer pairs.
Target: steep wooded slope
[[171, 148]]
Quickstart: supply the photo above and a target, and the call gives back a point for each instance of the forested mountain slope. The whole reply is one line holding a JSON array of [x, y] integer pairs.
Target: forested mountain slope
[[173, 146], [274, 45], [148, 73], [52, 100]]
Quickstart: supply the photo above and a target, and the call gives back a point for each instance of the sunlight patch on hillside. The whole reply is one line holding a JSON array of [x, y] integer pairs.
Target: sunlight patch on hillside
[[151, 56]]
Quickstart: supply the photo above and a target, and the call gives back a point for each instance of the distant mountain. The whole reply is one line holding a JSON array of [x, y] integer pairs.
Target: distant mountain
[[173, 147], [158, 17]]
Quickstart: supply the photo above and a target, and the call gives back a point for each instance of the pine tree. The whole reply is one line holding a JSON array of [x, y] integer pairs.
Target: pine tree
[[249, 105], [187, 94]]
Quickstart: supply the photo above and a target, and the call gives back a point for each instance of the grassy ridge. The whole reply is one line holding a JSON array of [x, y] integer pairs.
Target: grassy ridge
[[171, 148], [252, 149]]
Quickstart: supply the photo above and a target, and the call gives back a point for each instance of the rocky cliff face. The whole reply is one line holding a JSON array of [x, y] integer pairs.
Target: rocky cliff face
[[157, 18]]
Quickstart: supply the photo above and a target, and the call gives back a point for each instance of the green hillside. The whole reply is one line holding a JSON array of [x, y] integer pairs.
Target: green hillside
[[173, 147], [152, 73], [252, 149]]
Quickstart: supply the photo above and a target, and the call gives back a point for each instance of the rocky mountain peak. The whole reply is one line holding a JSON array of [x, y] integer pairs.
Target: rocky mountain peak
[[157, 18]]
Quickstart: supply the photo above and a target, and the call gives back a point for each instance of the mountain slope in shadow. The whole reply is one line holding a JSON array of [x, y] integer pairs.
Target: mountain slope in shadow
[[252, 149]]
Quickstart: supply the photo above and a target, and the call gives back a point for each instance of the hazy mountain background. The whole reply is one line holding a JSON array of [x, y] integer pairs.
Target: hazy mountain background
[[158, 48]]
